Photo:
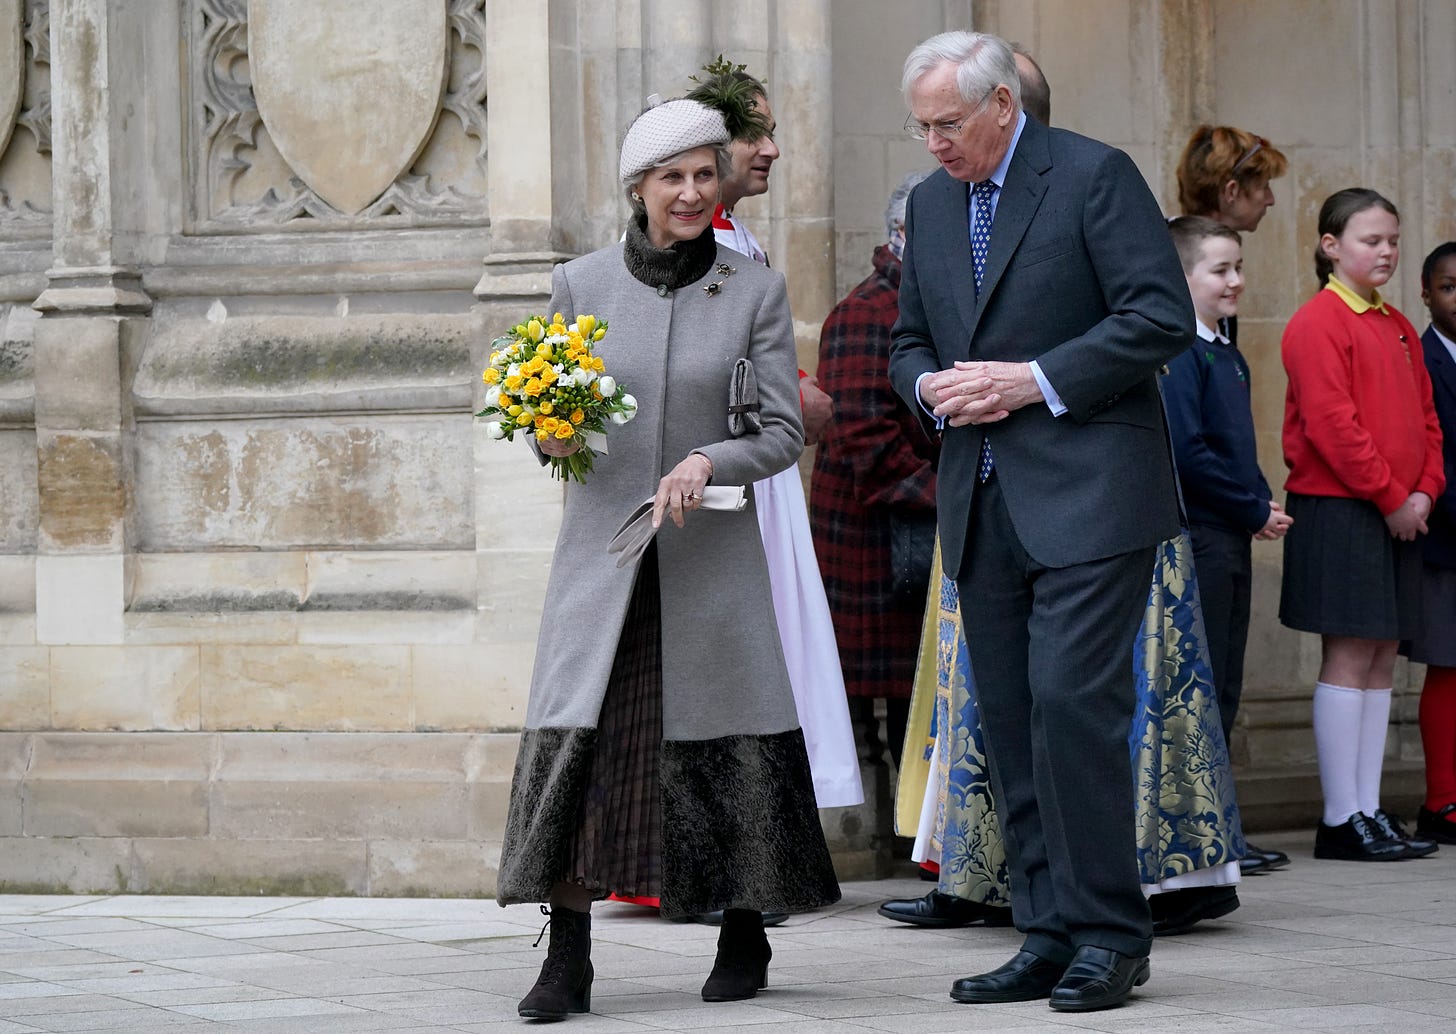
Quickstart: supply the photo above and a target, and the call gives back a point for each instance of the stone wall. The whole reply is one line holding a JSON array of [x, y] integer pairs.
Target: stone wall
[[268, 600]]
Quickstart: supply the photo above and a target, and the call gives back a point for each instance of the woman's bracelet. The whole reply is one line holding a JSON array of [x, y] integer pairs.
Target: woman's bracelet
[[704, 458]]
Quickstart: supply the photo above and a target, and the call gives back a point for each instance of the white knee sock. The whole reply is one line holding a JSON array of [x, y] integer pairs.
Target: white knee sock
[[1374, 718], [1338, 719]]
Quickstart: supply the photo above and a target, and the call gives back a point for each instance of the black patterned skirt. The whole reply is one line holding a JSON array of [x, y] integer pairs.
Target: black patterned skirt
[[617, 846]]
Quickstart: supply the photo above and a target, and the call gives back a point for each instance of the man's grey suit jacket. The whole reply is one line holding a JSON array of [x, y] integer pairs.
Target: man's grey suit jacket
[[1082, 277]]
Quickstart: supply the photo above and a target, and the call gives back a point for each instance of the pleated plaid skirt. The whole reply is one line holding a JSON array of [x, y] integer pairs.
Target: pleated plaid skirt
[[617, 848], [1345, 575]]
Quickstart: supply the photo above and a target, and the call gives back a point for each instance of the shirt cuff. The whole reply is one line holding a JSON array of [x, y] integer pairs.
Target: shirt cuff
[[1053, 400], [930, 412]]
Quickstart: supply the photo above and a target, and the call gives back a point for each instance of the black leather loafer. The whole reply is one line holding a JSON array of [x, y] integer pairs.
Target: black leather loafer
[[1025, 978], [943, 911], [1098, 978], [1178, 911], [1418, 847], [1439, 826], [1357, 839], [1272, 859]]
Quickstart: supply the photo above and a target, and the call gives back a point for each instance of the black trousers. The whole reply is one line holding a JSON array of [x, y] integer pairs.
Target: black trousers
[[1223, 561], [1051, 651]]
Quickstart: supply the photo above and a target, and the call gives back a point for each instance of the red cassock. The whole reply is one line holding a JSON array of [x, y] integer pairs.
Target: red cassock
[[876, 458]]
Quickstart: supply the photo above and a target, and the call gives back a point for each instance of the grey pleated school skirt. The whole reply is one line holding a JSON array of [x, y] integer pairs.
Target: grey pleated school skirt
[[1436, 642], [1345, 575]]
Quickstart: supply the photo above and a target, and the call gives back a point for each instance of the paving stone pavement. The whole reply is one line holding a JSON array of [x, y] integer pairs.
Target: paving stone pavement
[[1321, 946]]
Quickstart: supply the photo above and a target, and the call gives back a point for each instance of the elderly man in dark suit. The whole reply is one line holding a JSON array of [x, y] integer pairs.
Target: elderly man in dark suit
[[1040, 295]]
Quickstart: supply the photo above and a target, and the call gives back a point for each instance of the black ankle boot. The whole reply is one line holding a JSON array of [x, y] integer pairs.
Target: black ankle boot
[[564, 986], [741, 967]]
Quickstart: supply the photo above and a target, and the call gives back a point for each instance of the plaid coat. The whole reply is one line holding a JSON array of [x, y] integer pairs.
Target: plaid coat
[[875, 458]]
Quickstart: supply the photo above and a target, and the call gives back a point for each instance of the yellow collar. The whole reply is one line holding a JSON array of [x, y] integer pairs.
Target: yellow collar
[[1357, 304]]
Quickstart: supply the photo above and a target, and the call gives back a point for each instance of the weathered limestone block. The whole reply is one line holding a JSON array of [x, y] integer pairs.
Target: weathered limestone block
[[80, 478], [384, 580], [15, 751], [161, 628], [141, 784], [393, 482], [275, 867], [433, 868], [480, 686], [402, 787], [19, 499], [335, 688], [25, 688], [125, 687], [65, 865], [306, 364], [12, 67], [17, 584], [218, 582]]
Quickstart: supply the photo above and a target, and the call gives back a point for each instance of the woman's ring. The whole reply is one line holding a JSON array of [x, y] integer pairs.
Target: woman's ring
[[692, 497]]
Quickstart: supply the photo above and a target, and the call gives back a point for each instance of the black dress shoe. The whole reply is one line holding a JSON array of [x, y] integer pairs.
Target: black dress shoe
[[1098, 978], [1178, 911], [1439, 826], [943, 911], [1272, 859], [1357, 839], [1419, 847], [1253, 863], [1025, 978]]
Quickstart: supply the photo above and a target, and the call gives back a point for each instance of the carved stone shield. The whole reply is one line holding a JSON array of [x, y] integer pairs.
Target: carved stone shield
[[348, 89], [12, 67]]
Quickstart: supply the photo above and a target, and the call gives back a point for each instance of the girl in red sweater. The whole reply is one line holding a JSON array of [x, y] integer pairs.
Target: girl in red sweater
[[1363, 448]]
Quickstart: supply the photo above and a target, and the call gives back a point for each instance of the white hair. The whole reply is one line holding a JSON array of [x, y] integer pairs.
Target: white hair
[[983, 62], [721, 156], [895, 210]]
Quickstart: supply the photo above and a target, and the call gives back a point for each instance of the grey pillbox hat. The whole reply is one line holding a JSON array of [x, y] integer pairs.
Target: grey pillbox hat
[[665, 129]]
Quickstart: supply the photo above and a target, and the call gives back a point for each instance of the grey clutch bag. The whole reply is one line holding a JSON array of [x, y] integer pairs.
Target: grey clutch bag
[[743, 415]]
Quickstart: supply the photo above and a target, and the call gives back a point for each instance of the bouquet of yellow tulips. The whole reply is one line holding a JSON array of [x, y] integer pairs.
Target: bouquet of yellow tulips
[[544, 379]]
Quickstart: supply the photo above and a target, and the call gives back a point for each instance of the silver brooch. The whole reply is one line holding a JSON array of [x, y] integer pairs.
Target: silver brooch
[[713, 288], [724, 269]]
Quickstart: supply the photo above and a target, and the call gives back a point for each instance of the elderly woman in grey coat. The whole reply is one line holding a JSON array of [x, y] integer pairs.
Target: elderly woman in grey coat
[[662, 755]]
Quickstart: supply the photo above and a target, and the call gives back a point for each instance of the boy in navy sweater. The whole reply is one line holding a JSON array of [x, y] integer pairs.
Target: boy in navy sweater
[[1212, 424]]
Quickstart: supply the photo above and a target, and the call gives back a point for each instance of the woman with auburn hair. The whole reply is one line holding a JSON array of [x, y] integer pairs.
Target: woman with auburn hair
[[1224, 175]]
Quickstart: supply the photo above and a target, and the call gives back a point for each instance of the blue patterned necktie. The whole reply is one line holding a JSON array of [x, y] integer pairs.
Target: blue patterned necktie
[[980, 245]]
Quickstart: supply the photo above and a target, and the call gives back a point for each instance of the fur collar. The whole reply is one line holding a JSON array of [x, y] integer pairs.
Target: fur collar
[[669, 268]]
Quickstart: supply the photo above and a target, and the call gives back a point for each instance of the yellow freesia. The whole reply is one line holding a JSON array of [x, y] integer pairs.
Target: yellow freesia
[[535, 331], [586, 324], [598, 364], [514, 410], [600, 333]]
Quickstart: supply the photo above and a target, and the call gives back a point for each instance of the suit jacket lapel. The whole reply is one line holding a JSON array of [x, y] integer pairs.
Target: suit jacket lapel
[[952, 246], [1438, 361], [1020, 197]]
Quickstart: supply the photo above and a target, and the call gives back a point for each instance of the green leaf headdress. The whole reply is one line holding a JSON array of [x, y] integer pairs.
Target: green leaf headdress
[[732, 91]]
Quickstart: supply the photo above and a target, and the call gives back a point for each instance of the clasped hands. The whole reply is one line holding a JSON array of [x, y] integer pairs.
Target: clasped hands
[[1409, 519], [980, 392]]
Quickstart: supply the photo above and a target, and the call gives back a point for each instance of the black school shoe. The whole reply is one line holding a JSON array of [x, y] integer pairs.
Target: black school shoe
[[1272, 859], [1439, 826], [1419, 847], [1178, 911], [1357, 839]]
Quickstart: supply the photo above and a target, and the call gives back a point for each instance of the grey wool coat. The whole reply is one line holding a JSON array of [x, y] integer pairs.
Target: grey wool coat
[[740, 826]]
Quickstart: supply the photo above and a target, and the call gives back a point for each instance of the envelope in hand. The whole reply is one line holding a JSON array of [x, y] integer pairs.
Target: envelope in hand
[[637, 531]]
